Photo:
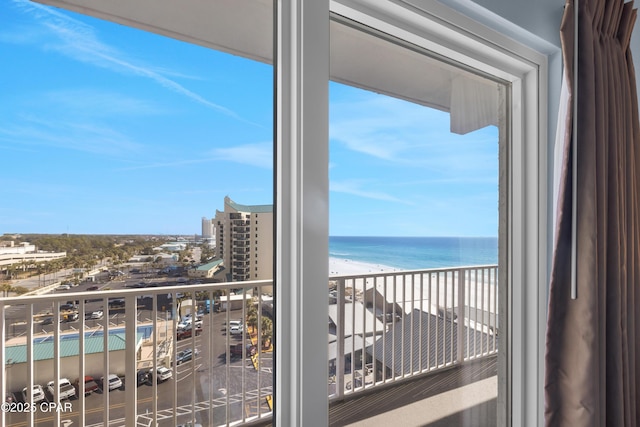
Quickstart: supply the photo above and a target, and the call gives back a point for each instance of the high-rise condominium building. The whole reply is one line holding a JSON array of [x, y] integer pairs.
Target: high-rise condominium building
[[244, 240], [207, 228]]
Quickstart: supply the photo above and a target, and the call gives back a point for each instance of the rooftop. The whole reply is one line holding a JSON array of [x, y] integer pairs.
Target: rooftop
[[248, 208], [208, 266], [43, 348]]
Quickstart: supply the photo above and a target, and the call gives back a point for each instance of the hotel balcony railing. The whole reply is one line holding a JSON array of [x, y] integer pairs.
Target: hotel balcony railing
[[399, 325], [387, 327], [219, 383], [240, 267]]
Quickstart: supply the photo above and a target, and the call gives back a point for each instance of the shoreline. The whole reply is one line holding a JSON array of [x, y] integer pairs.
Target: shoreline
[[344, 266]]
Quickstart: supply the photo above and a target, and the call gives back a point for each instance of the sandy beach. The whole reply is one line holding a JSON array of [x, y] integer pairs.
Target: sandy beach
[[413, 291], [341, 267]]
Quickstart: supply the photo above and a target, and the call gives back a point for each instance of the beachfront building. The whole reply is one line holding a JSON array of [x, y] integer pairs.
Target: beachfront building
[[207, 228], [244, 240]]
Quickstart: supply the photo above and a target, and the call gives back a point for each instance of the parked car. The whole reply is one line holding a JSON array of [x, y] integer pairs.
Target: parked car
[[64, 287], [185, 356], [47, 321], [236, 350], [142, 377], [113, 382], [37, 392], [67, 306], [67, 391], [116, 303], [162, 374], [90, 385], [183, 325], [69, 317], [92, 288], [187, 332], [236, 329], [97, 314]]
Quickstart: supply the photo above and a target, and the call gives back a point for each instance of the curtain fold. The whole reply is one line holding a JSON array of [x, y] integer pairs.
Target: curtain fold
[[593, 343]]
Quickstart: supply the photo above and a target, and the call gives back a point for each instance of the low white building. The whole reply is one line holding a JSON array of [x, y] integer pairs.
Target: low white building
[[25, 252], [208, 270]]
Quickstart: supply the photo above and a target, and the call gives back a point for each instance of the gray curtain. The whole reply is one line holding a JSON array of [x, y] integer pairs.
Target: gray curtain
[[593, 344]]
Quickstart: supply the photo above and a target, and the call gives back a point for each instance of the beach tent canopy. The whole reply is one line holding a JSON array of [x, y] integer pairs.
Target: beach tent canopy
[[242, 27]]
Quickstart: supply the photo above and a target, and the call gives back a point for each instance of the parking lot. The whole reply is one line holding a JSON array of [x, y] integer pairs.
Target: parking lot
[[211, 378]]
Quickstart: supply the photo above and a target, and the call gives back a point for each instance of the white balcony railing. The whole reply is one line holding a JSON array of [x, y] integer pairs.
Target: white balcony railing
[[219, 383], [391, 326], [383, 328]]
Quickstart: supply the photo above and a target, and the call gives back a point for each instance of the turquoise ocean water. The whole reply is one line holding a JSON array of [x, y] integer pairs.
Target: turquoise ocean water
[[411, 253]]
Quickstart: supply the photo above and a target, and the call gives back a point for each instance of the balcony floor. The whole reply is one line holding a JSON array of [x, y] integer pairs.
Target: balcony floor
[[460, 396]]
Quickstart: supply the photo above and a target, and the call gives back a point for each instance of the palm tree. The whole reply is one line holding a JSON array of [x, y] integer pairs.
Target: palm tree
[[252, 315], [6, 287], [267, 332]]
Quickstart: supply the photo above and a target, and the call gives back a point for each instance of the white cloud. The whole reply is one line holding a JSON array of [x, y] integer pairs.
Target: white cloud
[[93, 102], [79, 41], [257, 154], [409, 136], [355, 188], [80, 136]]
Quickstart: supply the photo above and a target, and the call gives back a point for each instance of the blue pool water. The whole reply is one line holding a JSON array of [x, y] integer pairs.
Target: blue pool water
[[144, 330]]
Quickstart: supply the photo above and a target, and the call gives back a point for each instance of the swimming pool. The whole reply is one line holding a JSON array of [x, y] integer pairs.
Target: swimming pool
[[145, 330]]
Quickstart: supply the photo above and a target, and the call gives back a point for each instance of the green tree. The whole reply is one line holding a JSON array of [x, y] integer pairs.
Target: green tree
[[6, 287], [267, 332], [252, 315]]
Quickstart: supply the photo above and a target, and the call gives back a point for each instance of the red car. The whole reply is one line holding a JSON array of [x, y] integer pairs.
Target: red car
[[186, 333], [236, 350], [90, 385]]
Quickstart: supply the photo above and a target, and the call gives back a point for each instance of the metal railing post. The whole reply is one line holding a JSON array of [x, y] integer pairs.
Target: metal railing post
[[340, 333], [131, 311], [461, 297]]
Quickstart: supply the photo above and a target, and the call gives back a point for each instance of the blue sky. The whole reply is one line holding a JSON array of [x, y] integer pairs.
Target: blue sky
[[108, 129]]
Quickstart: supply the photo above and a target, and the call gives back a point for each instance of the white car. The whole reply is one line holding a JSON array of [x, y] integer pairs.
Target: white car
[[36, 391], [162, 373], [236, 329], [184, 325], [67, 391], [97, 314], [63, 288], [114, 382]]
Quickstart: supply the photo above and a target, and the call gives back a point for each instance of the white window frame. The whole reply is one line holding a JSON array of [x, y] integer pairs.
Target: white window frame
[[302, 194], [302, 191]]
